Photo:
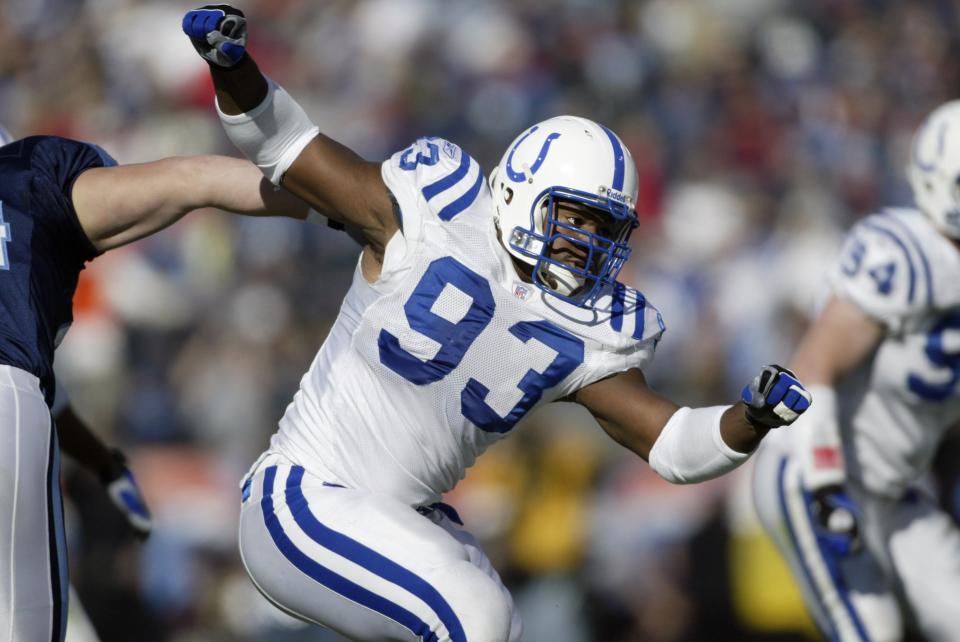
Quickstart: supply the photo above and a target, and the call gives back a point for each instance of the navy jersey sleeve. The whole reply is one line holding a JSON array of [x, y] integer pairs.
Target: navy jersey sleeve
[[55, 164], [43, 246]]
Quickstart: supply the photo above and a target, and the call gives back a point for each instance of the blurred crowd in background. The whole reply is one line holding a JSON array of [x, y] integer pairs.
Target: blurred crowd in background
[[761, 129]]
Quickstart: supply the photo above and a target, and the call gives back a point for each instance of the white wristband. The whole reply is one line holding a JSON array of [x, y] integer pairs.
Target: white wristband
[[690, 448], [273, 133], [816, 440]]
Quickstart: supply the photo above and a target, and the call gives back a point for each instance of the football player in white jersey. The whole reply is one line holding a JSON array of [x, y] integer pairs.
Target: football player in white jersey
[[474, 301], [841, 495]]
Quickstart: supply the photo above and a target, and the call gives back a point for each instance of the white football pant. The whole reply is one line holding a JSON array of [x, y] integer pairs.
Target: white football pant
[[910, 556], [366, 565]]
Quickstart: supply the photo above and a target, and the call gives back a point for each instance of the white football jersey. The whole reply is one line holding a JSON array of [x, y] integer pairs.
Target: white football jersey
[[449, 349], [898, 269]]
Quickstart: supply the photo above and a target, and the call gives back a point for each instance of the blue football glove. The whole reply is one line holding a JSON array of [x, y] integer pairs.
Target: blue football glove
[[123, 491], [218, 33], [836, 518], [775, 398]]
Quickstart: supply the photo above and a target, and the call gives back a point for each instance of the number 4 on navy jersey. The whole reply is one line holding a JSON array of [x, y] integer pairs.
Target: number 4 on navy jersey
[[5, 237]]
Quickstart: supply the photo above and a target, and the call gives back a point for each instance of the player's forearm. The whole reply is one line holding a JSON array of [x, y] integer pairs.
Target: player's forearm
[[78, 442], [236, 186], [841, 338], [239, 88], [738, 432], [272, 130], [118, 205], [276, 134]]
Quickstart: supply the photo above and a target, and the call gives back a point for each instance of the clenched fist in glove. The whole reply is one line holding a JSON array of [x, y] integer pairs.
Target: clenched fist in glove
[[775, 398], [218, 33], [123, 491], [836, 520]]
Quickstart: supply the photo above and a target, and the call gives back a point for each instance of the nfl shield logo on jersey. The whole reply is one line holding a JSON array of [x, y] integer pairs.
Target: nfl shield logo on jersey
[[521, 291]]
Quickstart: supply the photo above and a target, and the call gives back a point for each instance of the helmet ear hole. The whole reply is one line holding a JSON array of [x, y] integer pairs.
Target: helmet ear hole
[[507, 194]]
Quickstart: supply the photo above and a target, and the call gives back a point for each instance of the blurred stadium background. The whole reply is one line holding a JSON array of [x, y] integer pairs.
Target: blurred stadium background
[[762, 129]]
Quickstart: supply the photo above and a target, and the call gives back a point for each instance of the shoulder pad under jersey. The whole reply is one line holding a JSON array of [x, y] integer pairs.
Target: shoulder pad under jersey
[[624, 324], [884, 270]]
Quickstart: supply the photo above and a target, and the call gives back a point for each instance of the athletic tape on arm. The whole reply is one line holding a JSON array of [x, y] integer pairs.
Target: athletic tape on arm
[[690, 448], [816, 440], [273, 133]]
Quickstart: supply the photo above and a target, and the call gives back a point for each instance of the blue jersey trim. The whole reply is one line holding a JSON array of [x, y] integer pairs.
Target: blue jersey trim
[[927, 273], [326, 577], [906, 252], [105, 158], [618, 160], [641, 311], [616, 307], [462, 203], [448, 181]]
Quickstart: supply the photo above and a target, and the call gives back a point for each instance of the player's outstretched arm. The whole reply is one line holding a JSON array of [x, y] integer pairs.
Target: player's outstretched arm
[[108, 464], [120, 204], [840, 339], [273, 131], [686, 445]]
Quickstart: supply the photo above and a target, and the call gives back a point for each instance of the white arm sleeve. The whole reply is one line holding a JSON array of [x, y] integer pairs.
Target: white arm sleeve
[[690, 448], [273, 133], [816, 440]]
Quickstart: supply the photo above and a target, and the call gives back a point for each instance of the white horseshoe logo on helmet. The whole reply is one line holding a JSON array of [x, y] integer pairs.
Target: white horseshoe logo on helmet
[[519, 177]]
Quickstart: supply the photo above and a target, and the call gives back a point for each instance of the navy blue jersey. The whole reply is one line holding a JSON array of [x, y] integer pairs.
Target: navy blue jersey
[[42, 248]]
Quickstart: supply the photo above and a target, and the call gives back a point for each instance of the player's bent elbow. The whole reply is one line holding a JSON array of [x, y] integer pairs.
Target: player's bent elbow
[[690, 448]]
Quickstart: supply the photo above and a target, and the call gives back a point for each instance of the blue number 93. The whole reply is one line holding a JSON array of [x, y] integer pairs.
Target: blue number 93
[[455, 340]]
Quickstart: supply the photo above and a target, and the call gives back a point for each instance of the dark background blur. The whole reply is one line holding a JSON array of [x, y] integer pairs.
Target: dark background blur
[[761, 129]]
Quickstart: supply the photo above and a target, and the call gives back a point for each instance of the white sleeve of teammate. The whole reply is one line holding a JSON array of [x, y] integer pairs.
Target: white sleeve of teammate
[[816, 439], [690, 448], [878, 272], [273, 133]]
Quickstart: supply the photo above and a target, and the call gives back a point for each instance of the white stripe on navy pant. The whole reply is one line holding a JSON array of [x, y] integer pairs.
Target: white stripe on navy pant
[[367, 565], [33, 581]]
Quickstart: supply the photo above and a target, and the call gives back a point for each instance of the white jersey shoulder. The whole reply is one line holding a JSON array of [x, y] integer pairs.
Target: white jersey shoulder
[[449, 349], [896, 267], [434, 178]]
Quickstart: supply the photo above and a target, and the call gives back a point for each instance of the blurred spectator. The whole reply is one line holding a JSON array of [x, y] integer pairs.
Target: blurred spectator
[[760, 128]]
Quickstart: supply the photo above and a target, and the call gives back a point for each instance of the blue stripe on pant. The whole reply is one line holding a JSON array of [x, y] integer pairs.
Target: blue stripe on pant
[[358, 554], [826, 556]]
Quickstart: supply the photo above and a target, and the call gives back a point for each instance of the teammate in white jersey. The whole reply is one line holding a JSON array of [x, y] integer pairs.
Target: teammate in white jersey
[[474, 302], [874, 554]]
